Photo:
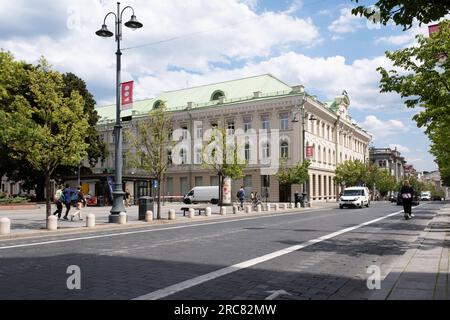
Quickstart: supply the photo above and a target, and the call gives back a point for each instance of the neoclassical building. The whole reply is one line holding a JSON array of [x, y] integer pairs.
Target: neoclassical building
[[258, 104], [389, 160]]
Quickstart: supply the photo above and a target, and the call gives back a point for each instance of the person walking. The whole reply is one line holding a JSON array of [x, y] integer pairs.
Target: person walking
[[81, 202], [127, 198], [241, 196], [58, 199], [407, 194], [67, 193]]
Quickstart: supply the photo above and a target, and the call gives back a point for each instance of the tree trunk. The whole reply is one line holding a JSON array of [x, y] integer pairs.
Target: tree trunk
[[159, 200], [48, 196], [40, 187], [221, 190]]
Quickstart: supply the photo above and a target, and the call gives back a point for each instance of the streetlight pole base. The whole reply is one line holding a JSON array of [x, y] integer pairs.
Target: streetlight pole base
[[118, 206]]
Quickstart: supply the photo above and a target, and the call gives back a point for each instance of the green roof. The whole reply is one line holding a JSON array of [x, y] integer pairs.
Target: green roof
[[234, 91]]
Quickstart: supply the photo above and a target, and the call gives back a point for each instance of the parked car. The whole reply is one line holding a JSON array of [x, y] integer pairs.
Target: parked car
[[425, 196], [202, 194], [355, 197], [415, 202]]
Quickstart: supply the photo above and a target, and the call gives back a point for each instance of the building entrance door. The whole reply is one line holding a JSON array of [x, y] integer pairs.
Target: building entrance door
[[285, 193]]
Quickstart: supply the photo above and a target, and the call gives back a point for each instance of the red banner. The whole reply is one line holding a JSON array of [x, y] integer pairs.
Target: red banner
[[432, 29], [127, 95], [309, 152]]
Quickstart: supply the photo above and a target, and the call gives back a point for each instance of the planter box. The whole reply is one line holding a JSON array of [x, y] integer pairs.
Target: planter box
[[19, 206]]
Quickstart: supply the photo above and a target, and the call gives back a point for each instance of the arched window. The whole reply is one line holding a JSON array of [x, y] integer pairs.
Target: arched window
[[284, 149], [329, 156], [314, 152], [319, 154], [217, 95], [169, 157]]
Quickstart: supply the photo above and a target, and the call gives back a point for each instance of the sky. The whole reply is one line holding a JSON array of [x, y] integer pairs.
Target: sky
[[316, 43]]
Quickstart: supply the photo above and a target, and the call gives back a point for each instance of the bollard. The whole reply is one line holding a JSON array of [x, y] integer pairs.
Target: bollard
[[269, 207], [276, 207], [123, 218], [258, 208], [292, 206], [235, 209], [90, 221], [208, 212], [171, 214], [52, 223], [5, 226], [223, 211], [299, 205], [283, 206], [248, 209], [149, 216], [191, 213]]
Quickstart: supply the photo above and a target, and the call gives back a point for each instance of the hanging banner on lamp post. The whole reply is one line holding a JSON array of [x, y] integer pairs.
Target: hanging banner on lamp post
[[127, 95]]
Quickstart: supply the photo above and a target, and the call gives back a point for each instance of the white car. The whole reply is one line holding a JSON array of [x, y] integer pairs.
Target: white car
[[425, 196], [202, 194], [355, 197]]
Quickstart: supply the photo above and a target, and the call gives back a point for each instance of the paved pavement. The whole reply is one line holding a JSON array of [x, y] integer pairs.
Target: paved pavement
[[311, 254]]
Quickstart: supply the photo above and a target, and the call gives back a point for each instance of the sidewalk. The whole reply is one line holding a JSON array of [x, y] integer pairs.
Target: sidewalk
[[30, 223], [422, 273]]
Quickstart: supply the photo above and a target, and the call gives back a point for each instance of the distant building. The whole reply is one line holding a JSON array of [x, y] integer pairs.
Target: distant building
[[389, 160], [434, 178], [410, 171], [260, 103]]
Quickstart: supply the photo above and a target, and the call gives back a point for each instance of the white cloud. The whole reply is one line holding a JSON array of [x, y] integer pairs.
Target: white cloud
[[346, 23], [406, 38], [383, 129], [400, 148], [294, 7]]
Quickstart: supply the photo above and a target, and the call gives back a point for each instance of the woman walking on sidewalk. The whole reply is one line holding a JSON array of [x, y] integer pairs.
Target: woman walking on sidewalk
[[407, 194]]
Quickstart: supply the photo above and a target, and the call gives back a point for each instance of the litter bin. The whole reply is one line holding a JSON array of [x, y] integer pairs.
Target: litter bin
[[101, 201], [145, 204]]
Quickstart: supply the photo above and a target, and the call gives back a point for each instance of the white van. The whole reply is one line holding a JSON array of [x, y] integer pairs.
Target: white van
[[202, 194], [425, 196], [355, 197]]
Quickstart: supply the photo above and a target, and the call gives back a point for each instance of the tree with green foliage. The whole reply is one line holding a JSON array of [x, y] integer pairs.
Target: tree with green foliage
[[297, 174], [422, 78], [385, 183], [48, 132], [15, 81], [149, 146], [404, 12], [350, 173], [221, 156]]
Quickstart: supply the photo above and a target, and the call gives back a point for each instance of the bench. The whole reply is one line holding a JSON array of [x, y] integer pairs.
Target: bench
[[186, 209]]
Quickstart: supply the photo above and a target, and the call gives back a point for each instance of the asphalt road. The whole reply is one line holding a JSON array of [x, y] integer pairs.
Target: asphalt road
[[311, 255]]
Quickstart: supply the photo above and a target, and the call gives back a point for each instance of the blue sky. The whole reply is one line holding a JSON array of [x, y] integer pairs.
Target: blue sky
[[315, 43]]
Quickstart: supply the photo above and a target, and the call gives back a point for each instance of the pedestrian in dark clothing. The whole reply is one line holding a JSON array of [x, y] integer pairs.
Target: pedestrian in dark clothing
[[241, 196], [407, 194], [67, 192], [296, 198]]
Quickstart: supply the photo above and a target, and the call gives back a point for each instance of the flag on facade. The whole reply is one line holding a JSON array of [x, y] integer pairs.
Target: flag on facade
[[309, 152], [127, 95]]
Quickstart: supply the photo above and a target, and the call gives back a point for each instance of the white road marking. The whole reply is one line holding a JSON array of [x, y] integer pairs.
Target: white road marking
[[276, 294], [170, 290], [150, 230]]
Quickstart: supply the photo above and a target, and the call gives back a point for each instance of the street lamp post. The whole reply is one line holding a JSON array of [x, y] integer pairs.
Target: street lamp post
[[302, 112], [118, 194]]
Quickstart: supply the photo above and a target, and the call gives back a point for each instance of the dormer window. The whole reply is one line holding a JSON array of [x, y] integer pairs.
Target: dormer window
[[157, 104], [217, 95]]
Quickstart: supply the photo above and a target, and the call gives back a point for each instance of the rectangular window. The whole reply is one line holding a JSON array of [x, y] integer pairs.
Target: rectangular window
[[199, 132], [198, 156], [198, 181], [265, 186], [169, 187], [214, 181], [185, 133], [248, 184], [247, 124], [247, 151], [184, 186], [265, 123], [284, 121], [230, 127]]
